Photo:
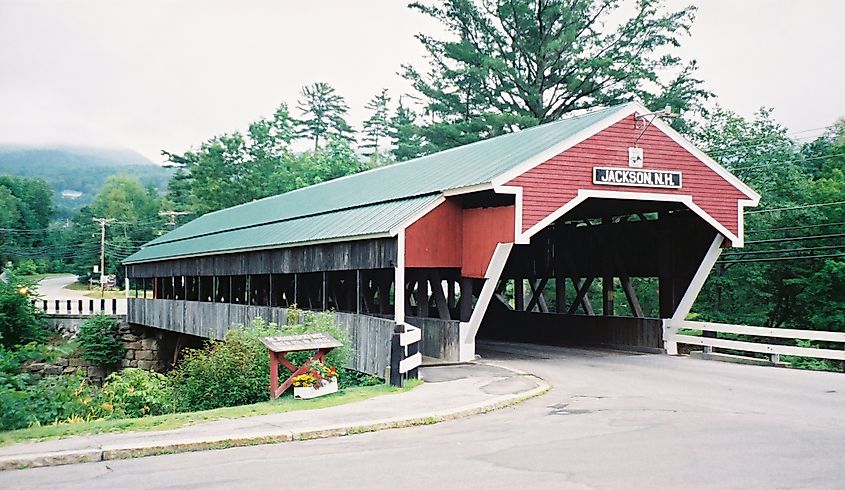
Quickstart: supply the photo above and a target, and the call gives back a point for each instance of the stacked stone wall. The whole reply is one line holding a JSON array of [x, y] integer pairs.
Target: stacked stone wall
[[145, 349]]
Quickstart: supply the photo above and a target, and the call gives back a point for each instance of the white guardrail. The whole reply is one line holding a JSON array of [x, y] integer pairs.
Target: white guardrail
[[671, 339]]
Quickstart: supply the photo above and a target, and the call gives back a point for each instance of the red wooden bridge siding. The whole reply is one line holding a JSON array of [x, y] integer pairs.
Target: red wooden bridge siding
[[435, 239], [483, 229], [449, 236], [555, 182]]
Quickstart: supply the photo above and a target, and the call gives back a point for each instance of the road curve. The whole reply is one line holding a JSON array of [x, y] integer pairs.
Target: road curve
[[612, 420]]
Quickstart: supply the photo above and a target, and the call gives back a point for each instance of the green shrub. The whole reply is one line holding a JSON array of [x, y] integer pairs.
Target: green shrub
[[234, 371], [301, 322], [26, 267], [134, 393], [99, 340], [222, 374], [348, 378], [28, 401], [20, 321], [61, 398]]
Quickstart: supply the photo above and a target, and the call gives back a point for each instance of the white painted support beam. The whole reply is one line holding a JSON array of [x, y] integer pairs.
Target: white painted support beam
[[710, 258]]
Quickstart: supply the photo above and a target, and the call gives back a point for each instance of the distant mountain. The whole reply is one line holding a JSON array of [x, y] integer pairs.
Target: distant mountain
[[76, 174]]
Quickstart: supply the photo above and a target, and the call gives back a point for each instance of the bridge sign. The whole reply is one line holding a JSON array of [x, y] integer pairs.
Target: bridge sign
[[636, 177]]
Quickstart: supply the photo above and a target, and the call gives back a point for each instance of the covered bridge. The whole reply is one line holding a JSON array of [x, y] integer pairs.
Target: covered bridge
[[464, 243]]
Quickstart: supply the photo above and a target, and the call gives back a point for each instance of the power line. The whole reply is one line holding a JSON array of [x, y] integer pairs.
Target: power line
[[797, 160], [762, 139], [779, 259], [786, 228], [791, 208], [796, 239], [784, 250]]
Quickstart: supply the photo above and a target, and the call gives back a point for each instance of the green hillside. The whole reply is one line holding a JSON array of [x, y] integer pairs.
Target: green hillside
[[79, 170]]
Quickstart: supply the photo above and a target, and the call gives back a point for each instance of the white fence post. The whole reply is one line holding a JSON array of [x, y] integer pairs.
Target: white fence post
[[669, 337]]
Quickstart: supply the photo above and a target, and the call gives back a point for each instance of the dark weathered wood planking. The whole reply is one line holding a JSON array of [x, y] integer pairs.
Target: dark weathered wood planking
[[380, 253], [368, 336], [440, 338], [614, 331]]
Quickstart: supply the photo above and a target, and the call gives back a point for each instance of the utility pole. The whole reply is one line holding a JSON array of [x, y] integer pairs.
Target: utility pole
[[103, 222], [171, 216]]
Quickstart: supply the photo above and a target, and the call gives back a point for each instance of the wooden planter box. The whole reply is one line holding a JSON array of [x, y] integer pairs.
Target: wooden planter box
[[307, 392]]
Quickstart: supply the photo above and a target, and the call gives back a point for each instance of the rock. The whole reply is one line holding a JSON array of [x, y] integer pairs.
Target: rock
[[125, 363], [35, 367], [52, 370], [149, 344], [61, 361], [148, 365], [133, 363], [128, 337], [75, 362], [130, 354], [144, 355], [96, 372], [132, 345]]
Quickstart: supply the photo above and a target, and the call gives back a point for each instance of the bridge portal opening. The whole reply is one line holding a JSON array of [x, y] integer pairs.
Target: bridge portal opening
[[603, 274]]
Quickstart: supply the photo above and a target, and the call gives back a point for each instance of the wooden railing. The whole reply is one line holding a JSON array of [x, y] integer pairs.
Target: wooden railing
[[371, 339], [671, 339], [81, 306]]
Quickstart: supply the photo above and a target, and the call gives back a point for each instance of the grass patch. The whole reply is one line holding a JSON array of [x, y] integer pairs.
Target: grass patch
[[177, 420], [94, 292]]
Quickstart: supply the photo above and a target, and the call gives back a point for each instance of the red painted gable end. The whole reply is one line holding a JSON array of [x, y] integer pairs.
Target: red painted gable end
[[550, 185]]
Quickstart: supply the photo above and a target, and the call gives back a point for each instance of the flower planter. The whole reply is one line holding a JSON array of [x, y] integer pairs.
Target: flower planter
[[306, 392]]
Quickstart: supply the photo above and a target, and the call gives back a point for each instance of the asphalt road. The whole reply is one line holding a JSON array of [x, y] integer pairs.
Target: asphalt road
[[612, 421], [55, 288]]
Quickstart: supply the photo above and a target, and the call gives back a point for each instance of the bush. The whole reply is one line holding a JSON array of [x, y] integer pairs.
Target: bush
[[300, 322], [234, 371], [99, 340], [20, 321], [26, 267], [51, 399], [348, 378], [134, 393]]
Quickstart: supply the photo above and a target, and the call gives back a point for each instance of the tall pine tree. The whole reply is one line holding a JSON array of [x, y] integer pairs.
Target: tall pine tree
[[323, 112], [405, 133], [377, 126], [516, 63]]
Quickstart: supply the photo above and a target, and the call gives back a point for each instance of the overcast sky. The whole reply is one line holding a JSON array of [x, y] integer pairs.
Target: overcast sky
[[153, 74]]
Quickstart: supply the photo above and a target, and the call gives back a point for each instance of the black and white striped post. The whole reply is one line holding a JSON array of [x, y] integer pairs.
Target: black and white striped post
[[405, 356]]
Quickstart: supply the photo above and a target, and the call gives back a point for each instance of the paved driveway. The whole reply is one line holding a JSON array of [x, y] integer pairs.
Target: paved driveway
[[55, 288], [612, 421]]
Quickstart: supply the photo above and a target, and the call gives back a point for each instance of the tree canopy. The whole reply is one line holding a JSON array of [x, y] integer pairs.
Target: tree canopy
[[518, 63], [323, 114]]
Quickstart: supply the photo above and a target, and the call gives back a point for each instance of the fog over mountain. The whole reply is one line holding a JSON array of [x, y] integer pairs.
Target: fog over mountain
[[78, 171]]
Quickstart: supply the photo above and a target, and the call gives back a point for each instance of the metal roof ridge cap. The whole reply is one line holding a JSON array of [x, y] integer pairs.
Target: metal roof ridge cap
[[294, 218]]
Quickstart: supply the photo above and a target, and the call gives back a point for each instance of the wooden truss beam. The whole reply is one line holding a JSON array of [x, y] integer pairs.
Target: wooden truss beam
[[581, 299], [537, 288]]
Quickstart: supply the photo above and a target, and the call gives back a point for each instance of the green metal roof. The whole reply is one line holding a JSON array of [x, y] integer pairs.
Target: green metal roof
[[366, 203], [372, 220]]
